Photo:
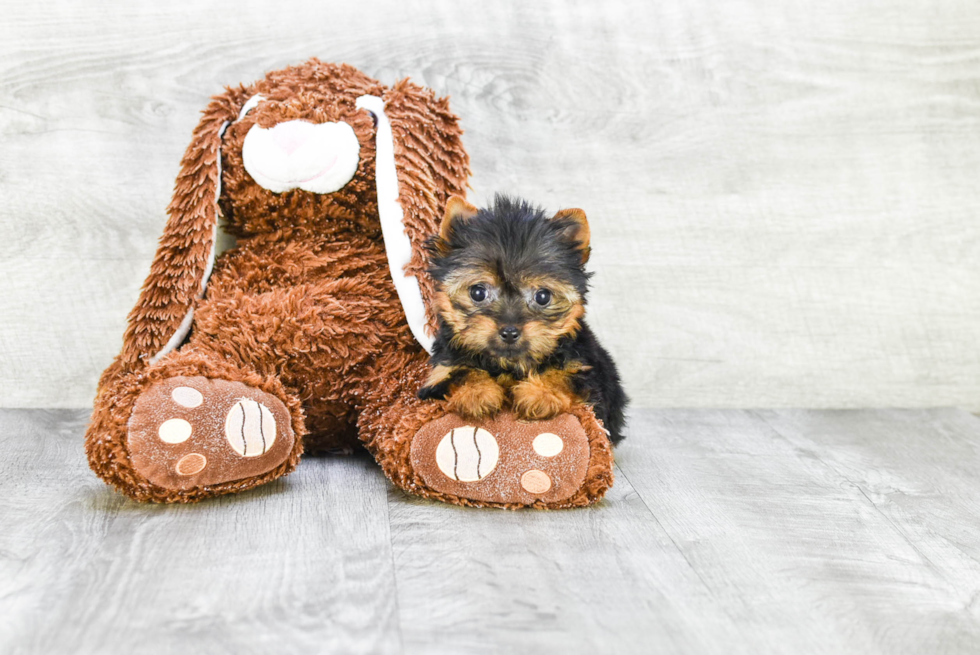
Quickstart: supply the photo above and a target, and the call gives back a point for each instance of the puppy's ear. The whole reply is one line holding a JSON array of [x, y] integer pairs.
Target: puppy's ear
[[576, 230], [457, 211]]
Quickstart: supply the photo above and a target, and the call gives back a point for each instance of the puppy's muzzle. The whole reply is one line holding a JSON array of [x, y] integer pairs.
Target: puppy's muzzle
[[509, 334]]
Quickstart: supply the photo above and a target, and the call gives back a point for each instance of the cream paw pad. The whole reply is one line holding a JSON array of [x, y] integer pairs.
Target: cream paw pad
[[187, 432], [502, 460], [467, 454]]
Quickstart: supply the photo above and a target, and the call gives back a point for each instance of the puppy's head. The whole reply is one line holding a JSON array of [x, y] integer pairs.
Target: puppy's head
[[510, 280]]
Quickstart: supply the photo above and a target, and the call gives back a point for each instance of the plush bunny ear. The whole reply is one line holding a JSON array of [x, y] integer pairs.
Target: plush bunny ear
[[420, 163], [162, 317]]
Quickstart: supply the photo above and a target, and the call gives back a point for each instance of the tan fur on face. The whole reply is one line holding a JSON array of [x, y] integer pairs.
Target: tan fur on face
[[457, 284], [477, 332], [542, 336], [444, 308], [565, 294], [477, 335], [471, 331], [543, 396], [478, 396]]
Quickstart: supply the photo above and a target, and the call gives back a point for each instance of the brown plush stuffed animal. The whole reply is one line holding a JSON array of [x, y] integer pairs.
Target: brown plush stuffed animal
[[311, 331]]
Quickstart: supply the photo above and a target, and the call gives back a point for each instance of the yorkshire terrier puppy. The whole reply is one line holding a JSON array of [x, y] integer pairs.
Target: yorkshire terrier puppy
[[511, 286]]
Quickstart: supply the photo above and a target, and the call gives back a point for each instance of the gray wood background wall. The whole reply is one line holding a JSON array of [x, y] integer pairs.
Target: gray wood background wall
[[783, 195]]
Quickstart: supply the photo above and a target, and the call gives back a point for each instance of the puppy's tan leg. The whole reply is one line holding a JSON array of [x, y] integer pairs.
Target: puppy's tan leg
[[543, 395], [477, 396]]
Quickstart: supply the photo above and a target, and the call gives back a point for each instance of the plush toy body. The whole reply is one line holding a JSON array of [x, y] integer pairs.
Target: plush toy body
[[311, 331]]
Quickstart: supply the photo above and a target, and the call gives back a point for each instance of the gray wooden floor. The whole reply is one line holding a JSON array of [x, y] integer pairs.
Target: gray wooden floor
[[727, 531]]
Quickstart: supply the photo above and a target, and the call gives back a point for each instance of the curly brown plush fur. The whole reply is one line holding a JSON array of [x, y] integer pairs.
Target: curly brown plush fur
[[303, 308]]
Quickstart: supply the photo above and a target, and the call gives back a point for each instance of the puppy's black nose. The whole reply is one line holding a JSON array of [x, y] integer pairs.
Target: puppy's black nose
[[510, 334]]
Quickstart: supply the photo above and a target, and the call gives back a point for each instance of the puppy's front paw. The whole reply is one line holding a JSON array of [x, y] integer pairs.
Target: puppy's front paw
[[477, 397], [437, 392], [538, 398], [438, 383]]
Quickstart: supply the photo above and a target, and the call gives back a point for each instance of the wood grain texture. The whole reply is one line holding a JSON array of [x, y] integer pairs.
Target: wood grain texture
[[728, 531], [830, 532], [301, 565], [605, 579], [783, 196]]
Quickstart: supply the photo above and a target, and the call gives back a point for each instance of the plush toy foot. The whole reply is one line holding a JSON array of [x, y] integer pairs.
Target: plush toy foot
[[188, 432], [503, 461]]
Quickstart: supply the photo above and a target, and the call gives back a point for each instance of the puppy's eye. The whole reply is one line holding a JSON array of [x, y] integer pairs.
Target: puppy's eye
[[478, 293], [542, 297]]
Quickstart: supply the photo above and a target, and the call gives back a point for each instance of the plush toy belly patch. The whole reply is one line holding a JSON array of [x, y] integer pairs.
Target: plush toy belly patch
[[311, 332]]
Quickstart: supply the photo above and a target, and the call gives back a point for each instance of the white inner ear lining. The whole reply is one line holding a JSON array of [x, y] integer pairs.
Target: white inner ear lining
[[184, 328], [250, 104], [398, 247]]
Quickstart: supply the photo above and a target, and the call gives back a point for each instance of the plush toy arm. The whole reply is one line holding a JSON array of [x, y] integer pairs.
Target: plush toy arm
[[162, 316]]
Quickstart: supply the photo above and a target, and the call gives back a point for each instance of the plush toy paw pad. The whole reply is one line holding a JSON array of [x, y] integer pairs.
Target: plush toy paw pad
[[502, 460], [187, 432], [467, 454], [536, 482], [250, 428], [187, 396], [547, 444], [175, 430], [191, 464]]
